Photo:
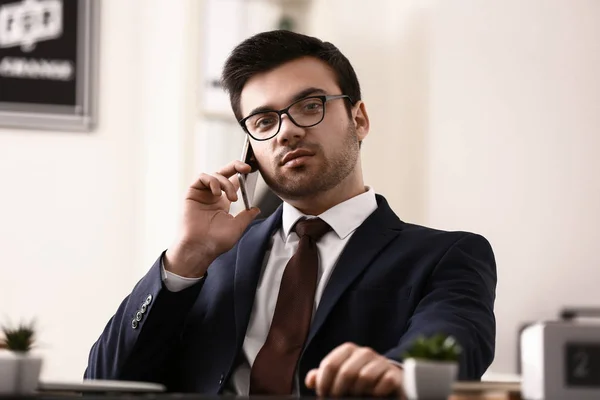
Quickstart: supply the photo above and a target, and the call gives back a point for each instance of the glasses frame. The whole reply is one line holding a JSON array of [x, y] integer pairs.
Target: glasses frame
[[323, 98]]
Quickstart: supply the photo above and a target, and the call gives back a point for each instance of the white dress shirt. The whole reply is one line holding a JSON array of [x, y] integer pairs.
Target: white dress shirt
[[343, 218]]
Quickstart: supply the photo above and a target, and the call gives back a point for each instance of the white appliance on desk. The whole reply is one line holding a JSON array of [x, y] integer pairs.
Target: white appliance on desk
[[560, 360]]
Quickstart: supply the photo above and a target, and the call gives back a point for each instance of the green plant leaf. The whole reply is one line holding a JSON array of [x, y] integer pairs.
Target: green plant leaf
[[19, 339], [438, 347]]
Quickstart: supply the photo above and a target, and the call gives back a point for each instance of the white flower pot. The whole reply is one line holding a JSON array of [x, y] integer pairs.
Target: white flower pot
[[8, 372], [19, 373], [425, 379], [28, 374]]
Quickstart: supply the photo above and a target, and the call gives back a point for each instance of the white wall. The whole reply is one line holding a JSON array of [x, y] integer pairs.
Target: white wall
[[513, 148], [68, 211], [387, 43], [169, 71], [485, 117], [84, 214]]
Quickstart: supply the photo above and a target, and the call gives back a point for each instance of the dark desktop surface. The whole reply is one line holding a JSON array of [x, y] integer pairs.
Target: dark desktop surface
[[143, 396]]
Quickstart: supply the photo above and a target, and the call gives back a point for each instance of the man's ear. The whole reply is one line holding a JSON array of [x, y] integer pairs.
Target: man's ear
[[360, 118]]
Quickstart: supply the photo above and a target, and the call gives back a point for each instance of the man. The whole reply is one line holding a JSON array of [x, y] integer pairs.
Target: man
[[325, 295]]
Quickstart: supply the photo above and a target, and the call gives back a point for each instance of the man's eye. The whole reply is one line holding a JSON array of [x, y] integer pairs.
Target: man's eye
[[312, 106], [265, 122]]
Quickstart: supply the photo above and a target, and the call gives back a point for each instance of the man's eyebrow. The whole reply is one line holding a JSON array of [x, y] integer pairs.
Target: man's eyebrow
[[306, 92], [303, 93]]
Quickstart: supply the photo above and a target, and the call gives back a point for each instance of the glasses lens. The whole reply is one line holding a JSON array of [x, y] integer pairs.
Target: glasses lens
[[263, 125], [307, 112]]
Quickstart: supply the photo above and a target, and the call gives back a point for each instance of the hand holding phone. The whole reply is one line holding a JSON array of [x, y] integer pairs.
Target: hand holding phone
[[207, 229]]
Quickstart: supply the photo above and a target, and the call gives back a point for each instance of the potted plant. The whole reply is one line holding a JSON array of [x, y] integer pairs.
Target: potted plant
[[8, 370], [431, 367], [19, 368]]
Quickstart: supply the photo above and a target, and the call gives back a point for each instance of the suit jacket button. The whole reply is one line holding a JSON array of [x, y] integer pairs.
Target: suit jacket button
[[134, 324], [148, 299], [221, 379], [138, 316], [143, 308]]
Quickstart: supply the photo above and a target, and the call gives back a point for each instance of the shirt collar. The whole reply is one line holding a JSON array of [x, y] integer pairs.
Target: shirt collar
[[343, 218]]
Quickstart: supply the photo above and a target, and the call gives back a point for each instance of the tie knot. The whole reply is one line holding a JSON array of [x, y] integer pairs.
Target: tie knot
[[314, 228]]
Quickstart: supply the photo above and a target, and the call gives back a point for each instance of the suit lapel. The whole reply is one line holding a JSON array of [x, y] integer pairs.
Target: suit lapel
[[367, 242], [249, 260]]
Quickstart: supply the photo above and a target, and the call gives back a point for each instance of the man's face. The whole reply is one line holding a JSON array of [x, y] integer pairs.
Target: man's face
[[330, 149]]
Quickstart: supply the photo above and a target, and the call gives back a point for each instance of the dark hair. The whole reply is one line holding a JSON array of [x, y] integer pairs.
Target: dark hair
[[268, 50]]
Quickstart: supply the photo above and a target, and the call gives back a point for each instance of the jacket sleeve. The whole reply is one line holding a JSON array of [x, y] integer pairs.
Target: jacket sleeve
[[140, 341], [458, 300]]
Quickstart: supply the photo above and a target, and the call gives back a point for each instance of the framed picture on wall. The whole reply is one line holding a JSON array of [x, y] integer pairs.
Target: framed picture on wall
[[48, 60]]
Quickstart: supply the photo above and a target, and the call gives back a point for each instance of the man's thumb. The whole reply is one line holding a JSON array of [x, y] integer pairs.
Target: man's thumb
[[311, 379], [246, 216]]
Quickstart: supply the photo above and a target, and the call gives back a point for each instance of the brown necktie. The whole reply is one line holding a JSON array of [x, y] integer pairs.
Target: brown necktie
[[273, 369]]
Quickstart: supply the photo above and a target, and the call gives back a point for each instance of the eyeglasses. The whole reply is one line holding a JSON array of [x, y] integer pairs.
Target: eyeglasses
[[306, 112]]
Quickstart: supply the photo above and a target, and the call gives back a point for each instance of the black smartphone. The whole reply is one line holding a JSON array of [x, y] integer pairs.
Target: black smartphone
[[248, 181]]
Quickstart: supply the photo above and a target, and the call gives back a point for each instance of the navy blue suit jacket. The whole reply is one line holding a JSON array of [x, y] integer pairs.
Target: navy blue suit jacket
[[393, 282]]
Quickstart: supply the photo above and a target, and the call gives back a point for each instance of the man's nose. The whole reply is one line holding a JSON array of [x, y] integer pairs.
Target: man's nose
[[289, 132]]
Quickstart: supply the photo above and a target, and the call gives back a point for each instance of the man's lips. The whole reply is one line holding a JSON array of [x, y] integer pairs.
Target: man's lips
[[292, 155]]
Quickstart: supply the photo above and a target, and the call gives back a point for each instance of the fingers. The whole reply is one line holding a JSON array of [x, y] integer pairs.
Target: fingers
[[225, 180], [233, 168], [355, 371], [227, 186], [368, 377], [207, 182], [349, 371], [235, 180], [390, 382], [330, 366]]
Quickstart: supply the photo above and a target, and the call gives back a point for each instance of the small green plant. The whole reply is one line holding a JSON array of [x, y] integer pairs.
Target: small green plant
[[435, 348], [19, 339]]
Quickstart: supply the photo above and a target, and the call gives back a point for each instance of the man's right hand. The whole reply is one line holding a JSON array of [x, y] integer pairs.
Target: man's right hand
[[207, 229]]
